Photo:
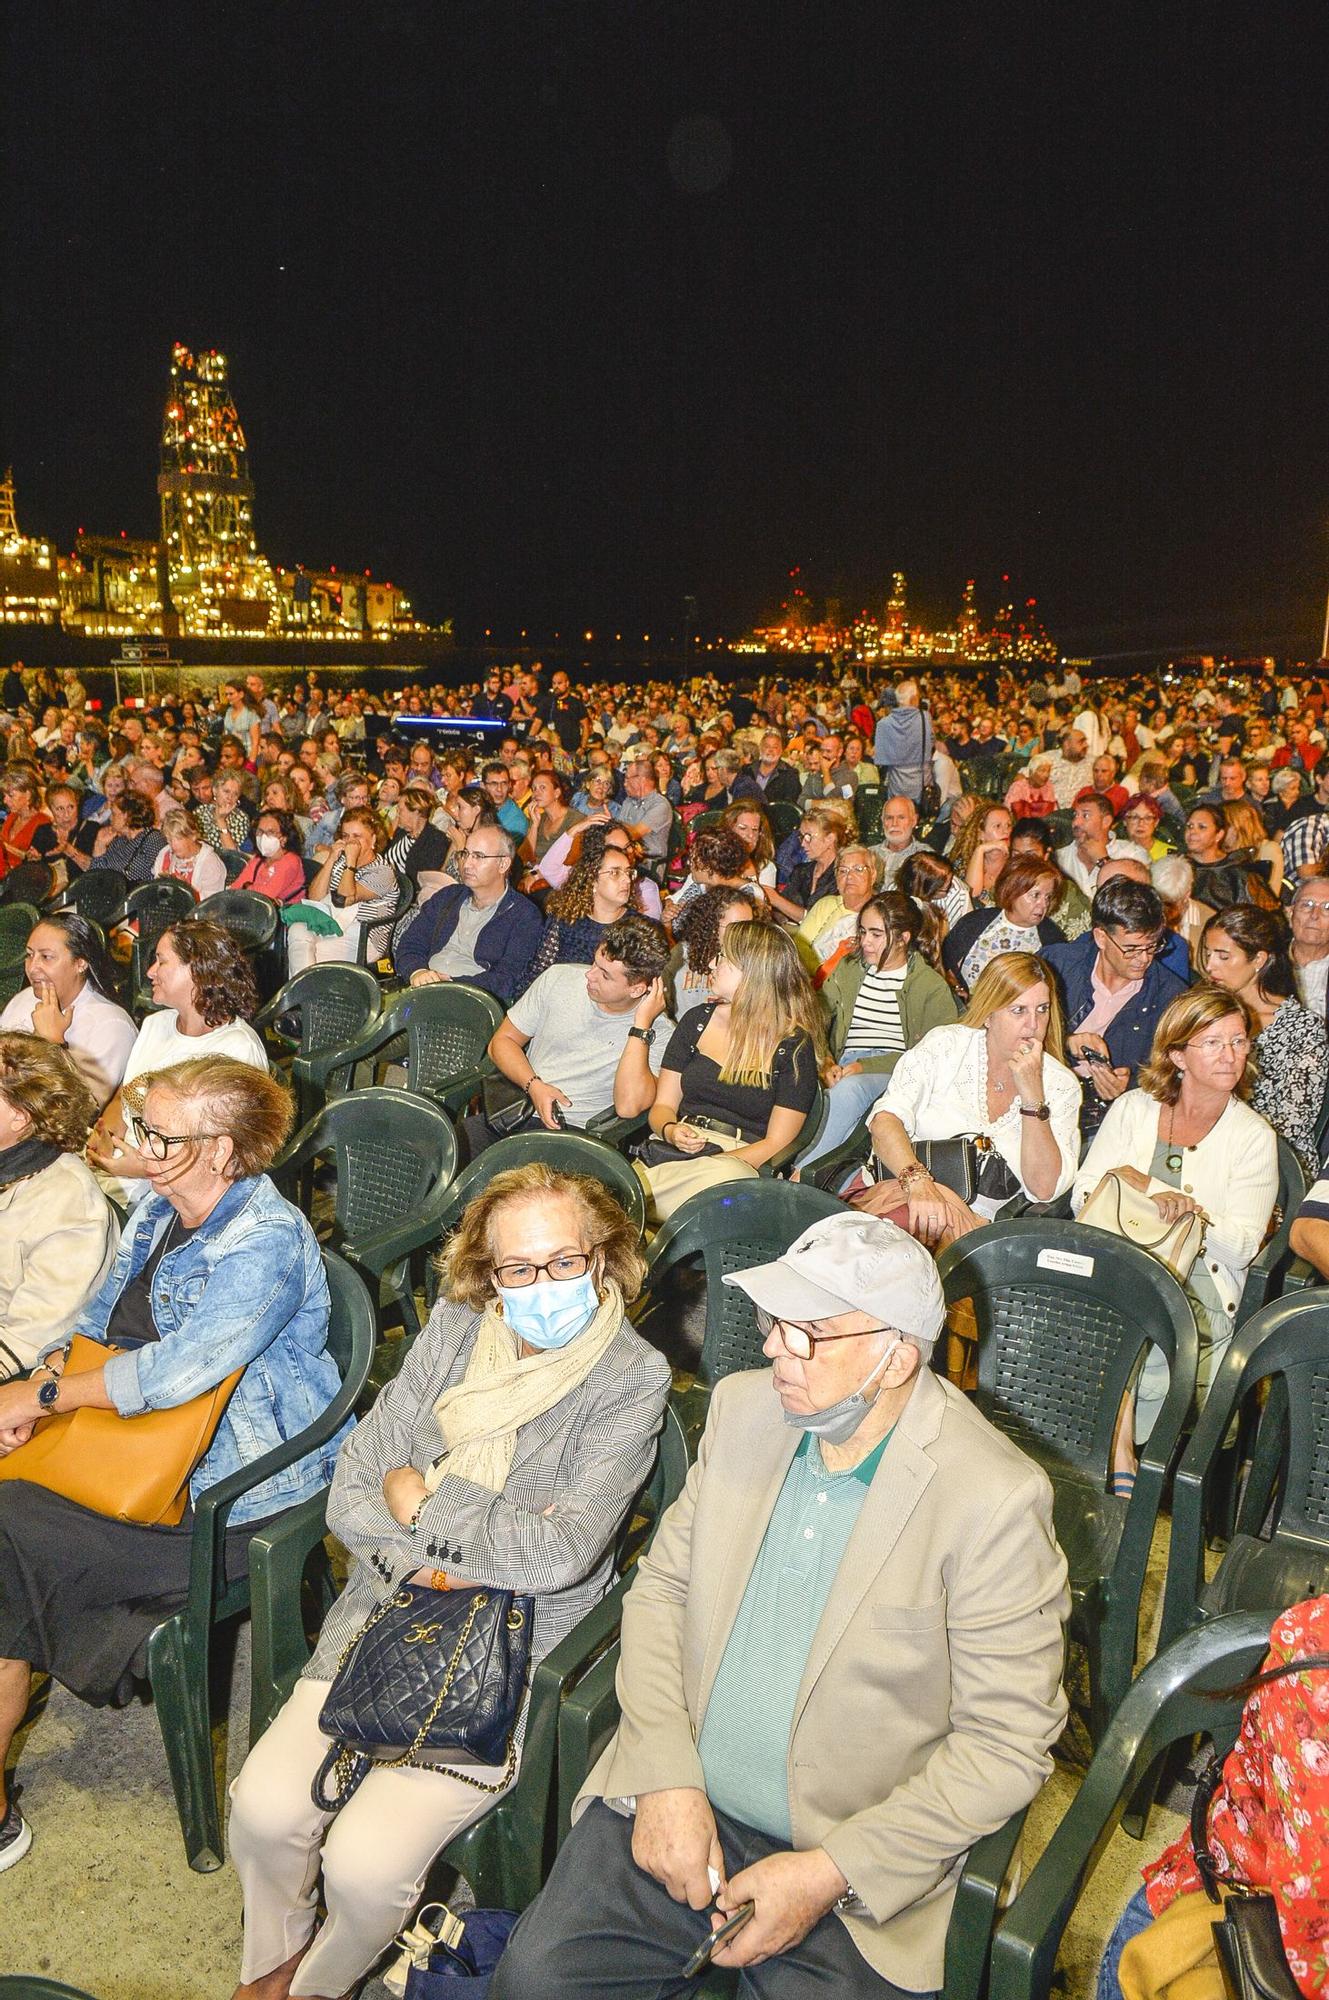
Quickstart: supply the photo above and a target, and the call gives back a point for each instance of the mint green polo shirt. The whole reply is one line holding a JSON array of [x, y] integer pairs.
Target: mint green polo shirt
[[744, 1744]]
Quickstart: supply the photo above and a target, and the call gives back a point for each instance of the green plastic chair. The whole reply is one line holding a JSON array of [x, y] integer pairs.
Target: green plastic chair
[[981, 776], [440, 1034], [783, 816], [394, 1155], [405, 898], [730, 1228], [1279, 1551], [16, 924], [154, 907], [330, 1005], [506, 1855], [1064, 1312], [179, 1648], [867, 802], [28, 1986], [1267, 1274], [252, 919], [1171, 1702], [100, 894]]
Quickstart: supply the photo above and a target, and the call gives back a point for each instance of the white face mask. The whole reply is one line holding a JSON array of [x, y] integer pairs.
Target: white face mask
[[268, 845]]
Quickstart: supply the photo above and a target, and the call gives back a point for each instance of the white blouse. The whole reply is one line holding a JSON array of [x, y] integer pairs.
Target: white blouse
[[939, 1090]]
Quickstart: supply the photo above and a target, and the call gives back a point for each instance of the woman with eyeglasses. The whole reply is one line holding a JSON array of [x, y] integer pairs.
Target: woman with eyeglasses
[[506, 1451], [1187, 1138], [598, 891], [216, 1274], [1249, 953]]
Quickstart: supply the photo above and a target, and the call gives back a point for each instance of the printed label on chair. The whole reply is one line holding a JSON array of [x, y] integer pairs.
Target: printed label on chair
[[1066, 1260]]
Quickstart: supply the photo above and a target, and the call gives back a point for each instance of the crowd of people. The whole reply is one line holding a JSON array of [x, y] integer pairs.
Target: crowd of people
[[952, 949]]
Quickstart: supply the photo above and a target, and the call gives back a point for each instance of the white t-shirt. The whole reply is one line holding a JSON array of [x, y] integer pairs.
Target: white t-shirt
[[99, 1037], [575, 1044]]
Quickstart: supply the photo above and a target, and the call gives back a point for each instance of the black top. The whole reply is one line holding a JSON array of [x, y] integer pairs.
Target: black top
[[131, 1323], [428, 849], [85, 838], [793, 1084], [806, 887]]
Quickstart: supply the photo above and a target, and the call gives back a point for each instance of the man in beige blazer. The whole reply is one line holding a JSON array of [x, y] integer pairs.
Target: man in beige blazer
[[841, 1663]]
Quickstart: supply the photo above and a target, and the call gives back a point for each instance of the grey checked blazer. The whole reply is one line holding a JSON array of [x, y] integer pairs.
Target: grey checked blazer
[[584, 1459]]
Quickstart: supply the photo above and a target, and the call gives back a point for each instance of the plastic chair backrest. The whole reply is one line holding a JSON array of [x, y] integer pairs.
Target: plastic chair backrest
[[251, 919], [386, 925], [732, 1227], [447, 1028], [352, 1323], [333, 1003], [28, 882], [867, 803], [235, 861], [1063, 1312], [17, 921], [390, 1149], [566, 1153], [1289, 1339], [100, 894], [784, 817], [155, 906]]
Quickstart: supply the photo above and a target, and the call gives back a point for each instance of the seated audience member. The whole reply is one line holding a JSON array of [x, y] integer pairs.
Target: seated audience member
[[130, 841], [64, 839], [739, 1075], [1113, 990], [699, 933], [982, 848], [1024, 894], [215, 1273], [507, 1449], [899, 838], [583, 1039], [357, 888], [1104, 779], [717, 858], [1309, 918], [829, 931], [187, 857], [67, 1001], [481, 931], [1139, 826], [998, 1072], [931, 880], [57, 1230], [1151, 782], [599, 890], [1220, 880], [275, 869], [1186, 1139], [883, 999], [768, 779], [497, 782], [24, 815], [1249, 952], [747, 818], [1273, 1784], [1246, 842], [746, 1773], [1091, 843], [1172, 952], [225, 823], [646, 812], [822, 833], [351, 792], [205, 998], [416, 846], [1031, 794], [468, 809], [552, 814], [1174, 878]]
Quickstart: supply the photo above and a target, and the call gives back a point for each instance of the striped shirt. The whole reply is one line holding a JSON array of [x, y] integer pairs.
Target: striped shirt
[[876, 1022]]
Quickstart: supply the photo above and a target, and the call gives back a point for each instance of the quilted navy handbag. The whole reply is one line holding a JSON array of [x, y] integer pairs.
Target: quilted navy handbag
[[434, 1677]]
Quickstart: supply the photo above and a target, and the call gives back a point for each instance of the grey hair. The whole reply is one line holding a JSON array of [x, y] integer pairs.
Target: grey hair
[[1173, 877]]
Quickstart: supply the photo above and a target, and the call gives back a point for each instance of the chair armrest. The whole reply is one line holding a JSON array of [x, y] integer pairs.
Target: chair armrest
[[340, 1063], [617, 1131], [278, 1553], [382, 1249], [969, 1933], [456, 1094], [1300, 1275]]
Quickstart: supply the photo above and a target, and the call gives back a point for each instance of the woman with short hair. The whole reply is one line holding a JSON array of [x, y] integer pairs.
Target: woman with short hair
[[505, 1452], [275, 869], [1025, 894], [57, 1230], [822, 834], [357, 888], [130, 841], [187, 857]]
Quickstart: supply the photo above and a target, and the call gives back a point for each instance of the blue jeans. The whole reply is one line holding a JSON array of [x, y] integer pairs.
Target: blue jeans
[[847, 1104], [1136, 1917]]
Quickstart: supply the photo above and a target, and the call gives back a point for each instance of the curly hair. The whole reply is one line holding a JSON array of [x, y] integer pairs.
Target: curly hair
[[721, 853], [466, 1261], [137, 812], [1200, 1006], [971, 833], [42, 1079], [238, 1102], [697, 925], [224, 988], [576, 898]]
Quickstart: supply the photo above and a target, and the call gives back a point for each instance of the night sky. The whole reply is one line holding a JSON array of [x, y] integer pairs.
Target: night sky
[[556, 313]]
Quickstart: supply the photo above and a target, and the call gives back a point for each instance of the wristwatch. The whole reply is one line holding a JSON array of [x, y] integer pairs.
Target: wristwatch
[[48, 1390], [1042, 1111], [646, 1035]]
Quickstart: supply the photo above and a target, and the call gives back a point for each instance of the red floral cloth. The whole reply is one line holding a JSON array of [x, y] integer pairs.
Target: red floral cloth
[[1270, 1820]]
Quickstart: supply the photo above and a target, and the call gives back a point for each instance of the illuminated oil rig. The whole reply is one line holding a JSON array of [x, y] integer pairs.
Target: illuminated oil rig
[[1012, 635], [218, 581]]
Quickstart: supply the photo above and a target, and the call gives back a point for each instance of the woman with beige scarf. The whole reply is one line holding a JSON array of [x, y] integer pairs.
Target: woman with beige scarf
[[506, 1452]]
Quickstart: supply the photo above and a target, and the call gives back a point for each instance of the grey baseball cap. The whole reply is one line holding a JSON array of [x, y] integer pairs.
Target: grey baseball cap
[[851, 1263]]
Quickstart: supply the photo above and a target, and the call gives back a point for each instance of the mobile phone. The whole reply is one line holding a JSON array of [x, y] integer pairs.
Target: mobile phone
[[1092, 1056], [701, 1957]]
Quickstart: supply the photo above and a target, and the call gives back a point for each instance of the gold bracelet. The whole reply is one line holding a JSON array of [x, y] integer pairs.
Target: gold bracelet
[[907, 1175]]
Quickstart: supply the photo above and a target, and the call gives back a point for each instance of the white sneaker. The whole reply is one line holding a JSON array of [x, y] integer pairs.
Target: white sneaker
[[15, 1838]]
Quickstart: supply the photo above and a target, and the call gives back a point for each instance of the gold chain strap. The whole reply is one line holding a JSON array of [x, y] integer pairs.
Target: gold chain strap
[[348, 1758]]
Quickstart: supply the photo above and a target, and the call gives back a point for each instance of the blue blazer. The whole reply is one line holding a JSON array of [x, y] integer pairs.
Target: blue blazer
[[503, 950], [1131, 1036]]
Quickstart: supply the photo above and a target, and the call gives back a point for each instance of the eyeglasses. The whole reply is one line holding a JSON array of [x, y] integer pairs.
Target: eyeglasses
[[801, 1342], [569, 1264], [158, 1143], [1213, 1045], [477, 854], [854, 868], [1150, 950]]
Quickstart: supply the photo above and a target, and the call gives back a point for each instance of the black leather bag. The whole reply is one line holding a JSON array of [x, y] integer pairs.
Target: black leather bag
[[1247, 1939], [956, 1164], [436, 1677]]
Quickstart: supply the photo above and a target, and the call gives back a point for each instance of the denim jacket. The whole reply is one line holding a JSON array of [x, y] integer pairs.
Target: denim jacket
[[247, 1289]]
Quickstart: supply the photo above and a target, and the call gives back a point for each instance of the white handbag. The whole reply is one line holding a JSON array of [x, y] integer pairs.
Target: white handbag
[[1122, 1210]]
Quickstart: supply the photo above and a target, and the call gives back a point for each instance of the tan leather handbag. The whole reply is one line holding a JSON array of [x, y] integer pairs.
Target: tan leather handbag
[[129, 1468], [1122, 1210]]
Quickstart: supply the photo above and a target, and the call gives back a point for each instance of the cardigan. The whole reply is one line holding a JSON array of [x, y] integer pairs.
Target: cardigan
[[926, 1002], [1232, 1173]]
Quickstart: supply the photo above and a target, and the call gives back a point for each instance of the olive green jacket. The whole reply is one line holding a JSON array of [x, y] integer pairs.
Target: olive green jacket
[[926, 1001]]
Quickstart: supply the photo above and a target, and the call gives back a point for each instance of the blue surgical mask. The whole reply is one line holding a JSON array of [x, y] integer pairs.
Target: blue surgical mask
[[837, 1423], [550, 1314]]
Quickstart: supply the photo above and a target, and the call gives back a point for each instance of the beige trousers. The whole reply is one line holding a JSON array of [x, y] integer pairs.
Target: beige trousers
[[672, 1183], [373, 1854]]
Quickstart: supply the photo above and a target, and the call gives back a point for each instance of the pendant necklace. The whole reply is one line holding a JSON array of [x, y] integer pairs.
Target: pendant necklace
[[1173, 1158]]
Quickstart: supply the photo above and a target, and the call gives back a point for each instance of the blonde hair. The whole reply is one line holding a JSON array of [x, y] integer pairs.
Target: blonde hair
[[42, 1079], [1245, 828], [1002, 980], [243, 1104], [776, 999], [1201, 1006], [466, 1261]]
